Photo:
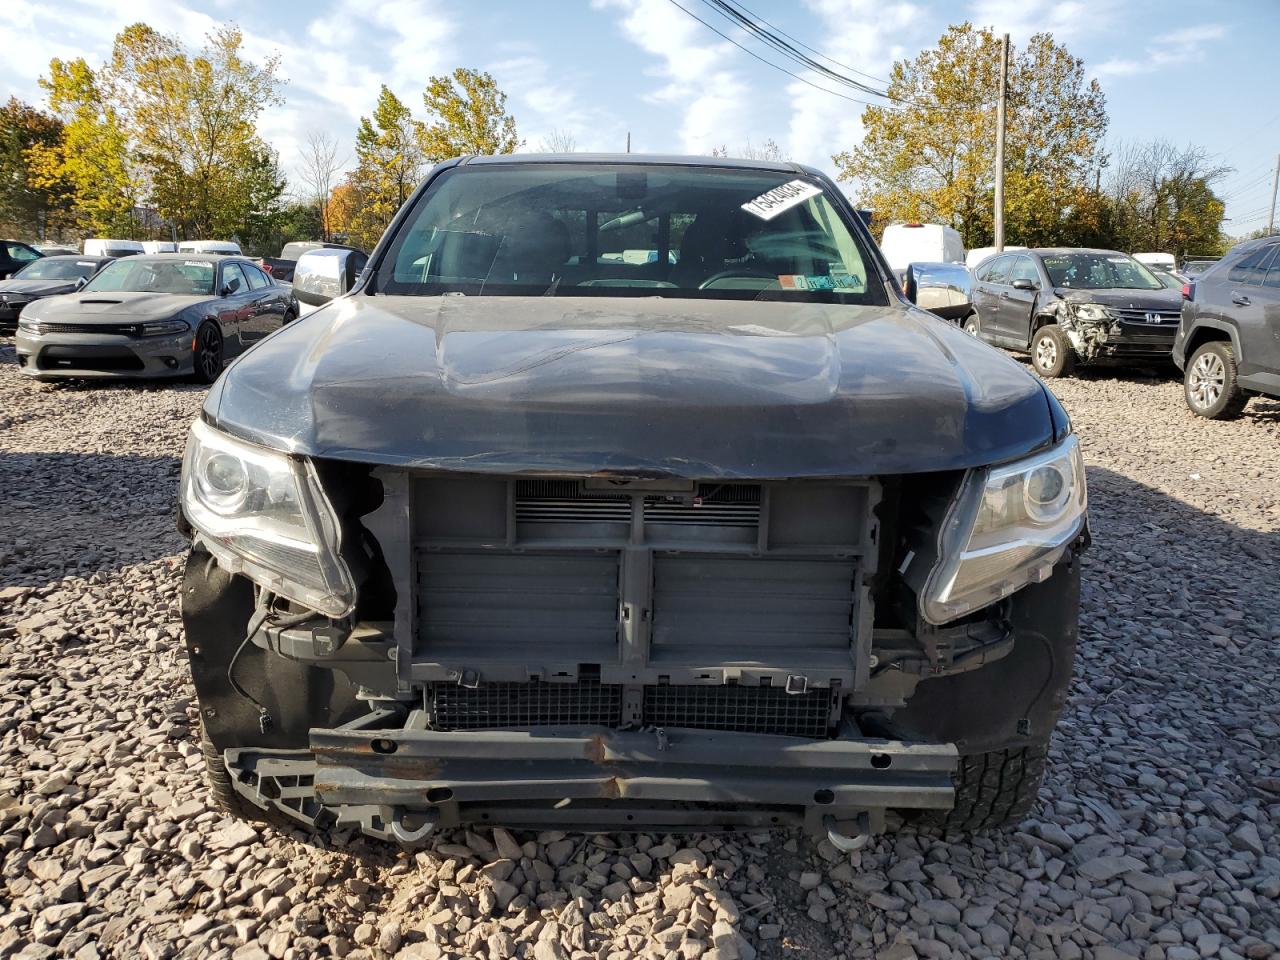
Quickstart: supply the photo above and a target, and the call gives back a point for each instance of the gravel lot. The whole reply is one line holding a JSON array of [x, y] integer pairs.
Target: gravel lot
[[1158, 835]]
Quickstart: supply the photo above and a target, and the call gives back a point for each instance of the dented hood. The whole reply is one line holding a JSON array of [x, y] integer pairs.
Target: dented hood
[[634, 387]]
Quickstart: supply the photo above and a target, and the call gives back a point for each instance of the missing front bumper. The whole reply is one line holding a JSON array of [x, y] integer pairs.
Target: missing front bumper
[[399, 784]]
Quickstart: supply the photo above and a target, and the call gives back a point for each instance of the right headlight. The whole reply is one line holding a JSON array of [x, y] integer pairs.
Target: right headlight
[[262, 514], [1007, 528], [1091, 311]]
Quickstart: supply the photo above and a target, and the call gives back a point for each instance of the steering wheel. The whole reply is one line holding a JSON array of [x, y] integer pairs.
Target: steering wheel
[[736, 272]]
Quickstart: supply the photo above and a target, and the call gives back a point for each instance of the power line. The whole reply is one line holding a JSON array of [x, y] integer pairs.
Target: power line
[[770, 63], [809, 48]]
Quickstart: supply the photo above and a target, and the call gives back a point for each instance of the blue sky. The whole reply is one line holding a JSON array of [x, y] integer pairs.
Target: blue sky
[[1190, 72]]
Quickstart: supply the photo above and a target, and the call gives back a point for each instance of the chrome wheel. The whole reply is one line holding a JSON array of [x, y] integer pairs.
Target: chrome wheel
[[971, 327], [1206, 381], [209, 353], [1046, 353]]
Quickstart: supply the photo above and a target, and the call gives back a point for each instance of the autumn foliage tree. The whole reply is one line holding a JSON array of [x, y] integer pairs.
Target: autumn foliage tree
[[29, 205], [389, 164], [930, 155], [469, 115]]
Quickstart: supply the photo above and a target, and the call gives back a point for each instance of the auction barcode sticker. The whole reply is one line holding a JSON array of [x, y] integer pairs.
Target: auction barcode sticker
[[773, 202]]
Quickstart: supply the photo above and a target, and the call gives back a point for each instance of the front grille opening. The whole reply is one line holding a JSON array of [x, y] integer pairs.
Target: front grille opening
[[742, 709], [520, 705]]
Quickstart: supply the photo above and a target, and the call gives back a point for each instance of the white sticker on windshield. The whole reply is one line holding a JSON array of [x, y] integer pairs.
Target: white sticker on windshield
[[773, 202], [84, 263], [194, 263]]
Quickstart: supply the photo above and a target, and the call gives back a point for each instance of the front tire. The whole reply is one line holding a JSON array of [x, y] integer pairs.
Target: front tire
[[207, 356], [1051, 353], [973, 326], [1211, 384], [225, 796], [994, 790]]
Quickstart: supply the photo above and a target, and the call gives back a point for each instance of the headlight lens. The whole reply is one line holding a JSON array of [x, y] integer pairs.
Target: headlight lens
[[33, 327], [1091, 311], [263, 514], [163, 328], [1008, 527]]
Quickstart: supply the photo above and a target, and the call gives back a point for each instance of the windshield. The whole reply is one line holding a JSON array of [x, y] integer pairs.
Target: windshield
[[141, 275], [57, 270], [629, 230], [1099, 271]]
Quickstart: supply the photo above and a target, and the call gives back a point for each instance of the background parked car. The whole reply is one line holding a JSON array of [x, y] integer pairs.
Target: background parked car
[[56, 249], [973, 259], [1193, 266], [102, 247], [906, 243], [153, 316], [159, 246], [46, 277], [1065, 306], [14, 255], [1228, 344], [226, 247]]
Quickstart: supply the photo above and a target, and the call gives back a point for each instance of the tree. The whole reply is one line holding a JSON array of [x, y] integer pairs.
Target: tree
[[192, 123], [29, 205], [320, 166], [1162, 198], [558, 141], [930, 154], [344, 204], [389, 163], [470, 116], [93, 161], [769, 150]]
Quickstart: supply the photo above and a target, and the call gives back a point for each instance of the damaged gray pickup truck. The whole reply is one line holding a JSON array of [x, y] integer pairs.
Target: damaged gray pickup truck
[[625, 492]]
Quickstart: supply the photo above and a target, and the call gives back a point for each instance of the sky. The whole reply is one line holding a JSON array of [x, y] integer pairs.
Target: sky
[[1188, 72]]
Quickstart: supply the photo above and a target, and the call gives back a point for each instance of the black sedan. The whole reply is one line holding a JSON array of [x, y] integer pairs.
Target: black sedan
[[14, 255], [1069, 306], [46, 277], [154, 316]]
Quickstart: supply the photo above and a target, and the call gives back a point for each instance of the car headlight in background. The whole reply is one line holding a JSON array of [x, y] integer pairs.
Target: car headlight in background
[[262, 514], [1090, 311], [1007, 528], [31, 327], [164, 328]]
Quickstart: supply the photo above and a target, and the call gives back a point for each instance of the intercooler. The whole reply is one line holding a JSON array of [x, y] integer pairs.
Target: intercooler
[[598, 602]]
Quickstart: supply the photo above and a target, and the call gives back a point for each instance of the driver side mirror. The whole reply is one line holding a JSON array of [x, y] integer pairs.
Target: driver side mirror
[[230, 287], [1022, 283], [322, 275], [81, 281]]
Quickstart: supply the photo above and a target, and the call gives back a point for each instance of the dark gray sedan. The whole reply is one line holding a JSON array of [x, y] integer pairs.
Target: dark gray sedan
[[154, 316], [46, 277]]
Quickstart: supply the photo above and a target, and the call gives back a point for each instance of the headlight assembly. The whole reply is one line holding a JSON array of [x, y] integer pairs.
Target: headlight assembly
[[33, 328], [1093, 312], [262, 514], [1007, 528], [163, 328]]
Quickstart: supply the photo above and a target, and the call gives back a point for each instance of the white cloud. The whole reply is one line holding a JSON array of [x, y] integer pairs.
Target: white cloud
[[1176, 48], [1067, 20], [714, 98]]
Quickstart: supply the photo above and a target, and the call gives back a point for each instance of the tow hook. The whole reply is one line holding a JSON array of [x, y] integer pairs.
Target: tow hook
[[848, 842], [413, 835]]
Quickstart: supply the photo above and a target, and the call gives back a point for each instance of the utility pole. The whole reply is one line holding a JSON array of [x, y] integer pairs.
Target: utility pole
[[1000, 104], [1275, 182], [628, 141]]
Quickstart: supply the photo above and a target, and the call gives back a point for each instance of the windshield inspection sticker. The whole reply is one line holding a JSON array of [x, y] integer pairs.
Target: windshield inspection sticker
[[843, 282], [773, 202]]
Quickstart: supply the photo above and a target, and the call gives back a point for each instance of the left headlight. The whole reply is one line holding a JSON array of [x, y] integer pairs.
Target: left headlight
[[28, 326], [1091, 311], [263, 514], [1006, 529], [163, 328]]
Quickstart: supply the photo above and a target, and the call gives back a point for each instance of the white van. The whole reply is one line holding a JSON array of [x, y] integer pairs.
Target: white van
[[209, 246], [101, 247], [159, 246], [906, 243], [978, 254], [1160, 261]]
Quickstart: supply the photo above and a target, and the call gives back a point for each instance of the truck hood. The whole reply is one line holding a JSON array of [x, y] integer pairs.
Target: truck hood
[[112, 307], [632, 387], [1131, 299]]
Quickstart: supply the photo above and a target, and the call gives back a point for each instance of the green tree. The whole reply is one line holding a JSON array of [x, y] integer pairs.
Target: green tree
[[930, 155], [192, 123], [470, 116], [92, 162], [1162, 199], [389, 164], [29, 205]]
